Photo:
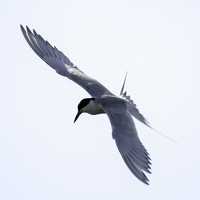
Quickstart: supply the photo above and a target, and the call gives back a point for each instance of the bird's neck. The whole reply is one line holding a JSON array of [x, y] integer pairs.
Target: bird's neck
[[93, 108]]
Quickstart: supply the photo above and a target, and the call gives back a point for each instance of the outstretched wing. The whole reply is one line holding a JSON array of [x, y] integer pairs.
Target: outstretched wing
[[61, 63], [125, 135], [132, 106]]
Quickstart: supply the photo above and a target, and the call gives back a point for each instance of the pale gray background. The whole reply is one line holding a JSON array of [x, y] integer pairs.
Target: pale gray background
[[43, 155]]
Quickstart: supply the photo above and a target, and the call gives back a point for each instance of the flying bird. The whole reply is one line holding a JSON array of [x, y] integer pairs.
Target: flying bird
[[119, 109]]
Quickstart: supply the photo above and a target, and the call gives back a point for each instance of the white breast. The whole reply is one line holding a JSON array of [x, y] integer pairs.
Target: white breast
[[93, 108]]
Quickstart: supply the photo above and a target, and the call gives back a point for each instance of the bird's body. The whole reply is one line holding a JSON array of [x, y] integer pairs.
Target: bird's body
[[119, 109]]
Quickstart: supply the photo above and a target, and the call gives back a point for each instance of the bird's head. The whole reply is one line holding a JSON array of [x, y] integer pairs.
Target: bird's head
[[82, 107]]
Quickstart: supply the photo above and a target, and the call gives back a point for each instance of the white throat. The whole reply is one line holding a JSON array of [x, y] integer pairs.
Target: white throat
[[93, 108]]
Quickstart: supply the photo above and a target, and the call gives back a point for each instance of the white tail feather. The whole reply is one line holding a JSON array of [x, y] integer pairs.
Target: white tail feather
[[165, 136]]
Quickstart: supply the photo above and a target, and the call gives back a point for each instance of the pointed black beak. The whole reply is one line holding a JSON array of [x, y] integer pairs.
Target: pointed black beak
[[77, 115]]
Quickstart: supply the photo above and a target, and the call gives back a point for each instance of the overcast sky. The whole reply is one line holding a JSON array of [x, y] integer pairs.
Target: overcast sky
[[43, 155]]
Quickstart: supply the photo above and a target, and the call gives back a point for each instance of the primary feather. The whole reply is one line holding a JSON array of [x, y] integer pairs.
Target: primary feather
[[61, 63], [125, 135]]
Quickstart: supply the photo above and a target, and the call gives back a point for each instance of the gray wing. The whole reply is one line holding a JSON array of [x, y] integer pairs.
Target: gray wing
[[61, 63], [132, 106], [125, 135]]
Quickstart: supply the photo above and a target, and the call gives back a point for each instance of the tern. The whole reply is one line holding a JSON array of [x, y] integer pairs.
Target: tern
[[119, 109]]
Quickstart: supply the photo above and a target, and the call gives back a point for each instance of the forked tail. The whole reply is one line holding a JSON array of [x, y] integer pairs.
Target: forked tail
[[122, 89], [136, 113]]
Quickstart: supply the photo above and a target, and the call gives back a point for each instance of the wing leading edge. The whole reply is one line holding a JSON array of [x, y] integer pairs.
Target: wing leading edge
[[61, 63]]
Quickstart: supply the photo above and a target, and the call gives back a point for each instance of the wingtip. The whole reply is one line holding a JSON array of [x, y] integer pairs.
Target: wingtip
[[28, 29], [35, 33], [22, 28], [147, 182], [137, 172]]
